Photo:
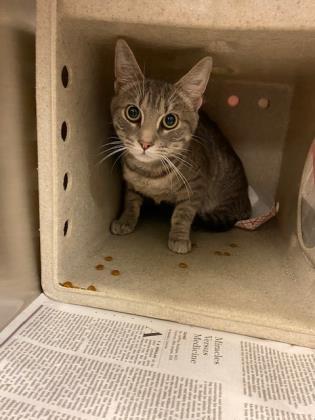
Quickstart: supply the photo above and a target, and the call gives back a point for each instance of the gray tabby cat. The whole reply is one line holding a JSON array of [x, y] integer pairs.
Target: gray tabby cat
[[173, 154]]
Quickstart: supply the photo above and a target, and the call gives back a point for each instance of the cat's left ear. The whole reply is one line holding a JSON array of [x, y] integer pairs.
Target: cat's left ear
[[194, 83], [127, 69]]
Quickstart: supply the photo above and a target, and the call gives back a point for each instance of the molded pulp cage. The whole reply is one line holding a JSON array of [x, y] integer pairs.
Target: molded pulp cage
[[260, 283]]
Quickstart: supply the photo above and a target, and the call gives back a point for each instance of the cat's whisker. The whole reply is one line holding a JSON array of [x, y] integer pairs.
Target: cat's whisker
[[195, 139], [109, 143], [175, 172], [111, 154], [185, 149], [183, 161], [113, 141], [168, 171], [166, 167], [182, 153], [102, 152], [198, 139], [111, 148], [181, 156], [184, 181], [112, 137], [181, 177], [117, 146], [117, 159], [179, 161]]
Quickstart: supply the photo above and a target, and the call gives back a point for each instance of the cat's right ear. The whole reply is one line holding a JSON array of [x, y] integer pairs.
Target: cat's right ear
[[127, 69]]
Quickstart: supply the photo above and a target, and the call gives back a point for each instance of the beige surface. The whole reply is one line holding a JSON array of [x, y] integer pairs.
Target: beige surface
[[255, 290], [19, 236], [266, 287]]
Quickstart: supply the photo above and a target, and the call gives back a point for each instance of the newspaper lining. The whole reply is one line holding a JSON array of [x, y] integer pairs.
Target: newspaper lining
[[67, 362]]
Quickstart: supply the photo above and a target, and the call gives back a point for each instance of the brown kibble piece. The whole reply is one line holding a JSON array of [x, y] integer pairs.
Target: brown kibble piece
[[67, 284], [233, 245], [91, 287], [115, 272], [227, 254], [218, 253], [99, 267], [183, 265], [108, 258]]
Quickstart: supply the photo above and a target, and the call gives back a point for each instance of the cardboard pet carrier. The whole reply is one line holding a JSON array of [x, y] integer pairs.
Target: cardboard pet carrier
[[261, 94]]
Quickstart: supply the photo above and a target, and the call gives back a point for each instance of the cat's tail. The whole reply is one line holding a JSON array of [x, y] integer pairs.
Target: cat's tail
[[220, 221], [215, 222]]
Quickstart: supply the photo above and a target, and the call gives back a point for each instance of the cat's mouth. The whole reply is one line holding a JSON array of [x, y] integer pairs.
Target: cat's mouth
[[145, 156]]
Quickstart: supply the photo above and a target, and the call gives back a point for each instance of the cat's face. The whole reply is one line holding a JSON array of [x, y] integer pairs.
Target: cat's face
[[152, 120], [155, 120]]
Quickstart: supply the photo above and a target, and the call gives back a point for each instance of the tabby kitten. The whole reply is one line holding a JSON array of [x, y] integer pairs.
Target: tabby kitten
[[173, 154]]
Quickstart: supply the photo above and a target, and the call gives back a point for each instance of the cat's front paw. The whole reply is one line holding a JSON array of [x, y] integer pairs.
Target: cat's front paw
[[119, 227], [179, 246]]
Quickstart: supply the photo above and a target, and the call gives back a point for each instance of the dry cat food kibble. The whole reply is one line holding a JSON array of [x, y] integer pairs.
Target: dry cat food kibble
[[109, 258], [233, 245], [67, 284], [115, 272], [91, 287], [183, 265], [99, 267], [218, 253], [227, 254]]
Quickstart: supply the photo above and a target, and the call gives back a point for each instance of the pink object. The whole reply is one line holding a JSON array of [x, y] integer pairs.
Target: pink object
[[255, 222], [233, 100]]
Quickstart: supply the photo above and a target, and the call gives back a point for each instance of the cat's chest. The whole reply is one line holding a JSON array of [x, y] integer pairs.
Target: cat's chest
[[159, 189]]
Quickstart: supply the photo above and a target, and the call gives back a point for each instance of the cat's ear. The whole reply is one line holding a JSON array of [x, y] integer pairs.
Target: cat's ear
[[194, 82], [127, 69]]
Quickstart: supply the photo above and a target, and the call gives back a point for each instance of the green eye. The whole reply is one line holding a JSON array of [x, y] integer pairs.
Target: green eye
[[133, 113], [170, 121]]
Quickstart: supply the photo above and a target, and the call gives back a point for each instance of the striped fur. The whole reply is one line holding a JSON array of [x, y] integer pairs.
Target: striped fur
[[191, 166]]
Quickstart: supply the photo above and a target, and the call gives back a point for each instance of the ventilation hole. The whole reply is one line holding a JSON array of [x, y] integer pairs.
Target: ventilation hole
[[66, 228], [65, 76], [65, 181], [233, 101], [64, 131], [263, 103]]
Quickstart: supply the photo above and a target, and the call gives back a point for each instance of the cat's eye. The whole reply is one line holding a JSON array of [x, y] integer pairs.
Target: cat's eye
[[170, 121], [133, 113]]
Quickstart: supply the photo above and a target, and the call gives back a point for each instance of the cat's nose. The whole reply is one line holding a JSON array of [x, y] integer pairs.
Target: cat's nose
[[145, 145]]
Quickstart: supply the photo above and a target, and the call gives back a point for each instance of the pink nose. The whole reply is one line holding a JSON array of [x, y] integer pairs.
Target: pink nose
[[145, 145]]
